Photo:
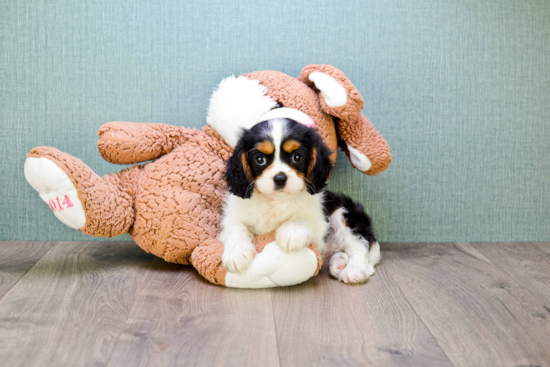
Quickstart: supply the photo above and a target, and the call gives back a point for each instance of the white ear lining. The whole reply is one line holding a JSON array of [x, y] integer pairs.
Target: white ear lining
[[335, 95]]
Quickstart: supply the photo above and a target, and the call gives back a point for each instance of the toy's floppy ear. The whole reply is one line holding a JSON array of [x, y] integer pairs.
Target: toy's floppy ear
[[337, 95], [238, 174], [365, 147]]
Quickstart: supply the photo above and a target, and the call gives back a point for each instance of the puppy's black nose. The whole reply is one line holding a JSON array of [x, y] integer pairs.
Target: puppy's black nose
[[280, 180]]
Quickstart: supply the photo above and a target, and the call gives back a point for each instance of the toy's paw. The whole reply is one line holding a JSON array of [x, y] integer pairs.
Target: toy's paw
[[238, 257], [292, 236], [57, 190]]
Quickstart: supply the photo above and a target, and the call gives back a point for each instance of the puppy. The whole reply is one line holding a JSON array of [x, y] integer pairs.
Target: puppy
[[276, 178]]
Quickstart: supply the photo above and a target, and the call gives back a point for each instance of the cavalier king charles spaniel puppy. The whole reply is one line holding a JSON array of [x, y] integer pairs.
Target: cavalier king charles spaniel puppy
[[276, 178]]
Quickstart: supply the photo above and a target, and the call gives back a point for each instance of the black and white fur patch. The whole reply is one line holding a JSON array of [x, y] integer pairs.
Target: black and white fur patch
[[276, 179], [352, 240], [298, 153]]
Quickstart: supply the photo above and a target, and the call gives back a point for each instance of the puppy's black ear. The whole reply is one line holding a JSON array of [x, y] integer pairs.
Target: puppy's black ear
[[320, 166], [238, 174]]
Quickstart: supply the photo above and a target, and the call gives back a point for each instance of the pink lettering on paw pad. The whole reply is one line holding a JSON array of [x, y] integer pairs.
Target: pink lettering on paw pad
[[56, 206]]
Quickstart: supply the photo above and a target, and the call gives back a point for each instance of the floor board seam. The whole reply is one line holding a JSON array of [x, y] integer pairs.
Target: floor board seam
[[518, 281], [275, 328], [129, 314], [419, 318], [538, 245], [29, 269], [498, 267]]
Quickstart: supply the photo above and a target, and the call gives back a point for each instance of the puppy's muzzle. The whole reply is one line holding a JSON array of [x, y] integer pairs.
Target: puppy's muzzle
[[280, 180]]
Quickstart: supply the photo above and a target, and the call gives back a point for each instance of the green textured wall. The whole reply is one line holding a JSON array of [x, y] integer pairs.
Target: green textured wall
[[460, 89]]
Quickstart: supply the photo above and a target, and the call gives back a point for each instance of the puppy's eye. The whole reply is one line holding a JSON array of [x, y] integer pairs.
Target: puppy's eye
[[278, 105], [296, 158], [260, 160]]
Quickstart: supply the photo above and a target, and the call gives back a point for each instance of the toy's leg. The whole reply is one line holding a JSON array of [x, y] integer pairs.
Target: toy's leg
[[207, 259], [135, 142], [80, 198]]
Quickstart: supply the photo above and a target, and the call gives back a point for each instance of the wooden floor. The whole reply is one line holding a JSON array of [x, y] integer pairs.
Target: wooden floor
[[111, 304]]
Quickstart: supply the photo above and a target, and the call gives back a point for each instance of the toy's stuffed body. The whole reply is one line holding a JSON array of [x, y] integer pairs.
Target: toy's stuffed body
[[172, 206]]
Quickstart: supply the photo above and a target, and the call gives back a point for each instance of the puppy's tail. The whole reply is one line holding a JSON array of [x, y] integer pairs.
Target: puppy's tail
[[351, 227]]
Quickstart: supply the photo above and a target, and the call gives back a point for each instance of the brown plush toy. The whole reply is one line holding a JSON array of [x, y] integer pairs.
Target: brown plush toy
[[172, 206]]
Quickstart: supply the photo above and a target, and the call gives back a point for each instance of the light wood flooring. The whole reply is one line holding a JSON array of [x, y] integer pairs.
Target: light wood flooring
[[111, 304]]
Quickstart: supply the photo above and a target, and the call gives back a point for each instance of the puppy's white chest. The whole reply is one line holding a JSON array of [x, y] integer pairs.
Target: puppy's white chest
[[269, 216]]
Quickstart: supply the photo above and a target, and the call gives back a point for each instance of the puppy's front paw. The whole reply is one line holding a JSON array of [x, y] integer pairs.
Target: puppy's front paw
[[292, 236], [238, 258]]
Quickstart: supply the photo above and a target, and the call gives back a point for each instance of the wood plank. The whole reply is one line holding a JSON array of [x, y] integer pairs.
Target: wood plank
[[327, 323], [180, 319], [479, 315], [528, 263], [70, 308], [16, 258]]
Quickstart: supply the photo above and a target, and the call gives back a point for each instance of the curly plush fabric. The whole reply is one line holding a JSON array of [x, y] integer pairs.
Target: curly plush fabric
[[353, 128], [109, 208], [178, 203], [169, 206], [172, 206], [371, 142], [291, 93], [355, 102]]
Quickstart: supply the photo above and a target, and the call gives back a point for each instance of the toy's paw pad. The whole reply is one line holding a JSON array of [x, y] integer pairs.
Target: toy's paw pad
[[356, 272], [359, 160], [238, 258], [338, 262], [57, 190], [292, 236]]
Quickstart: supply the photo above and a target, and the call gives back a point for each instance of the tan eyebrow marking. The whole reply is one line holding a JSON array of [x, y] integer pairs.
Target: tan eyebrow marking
[[266, 147], [291, 145]]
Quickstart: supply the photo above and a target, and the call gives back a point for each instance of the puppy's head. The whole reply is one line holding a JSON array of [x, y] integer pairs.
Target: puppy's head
[[278, 156]]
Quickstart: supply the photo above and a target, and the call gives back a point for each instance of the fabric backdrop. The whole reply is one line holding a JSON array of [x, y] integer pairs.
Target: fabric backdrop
[[460, 89]]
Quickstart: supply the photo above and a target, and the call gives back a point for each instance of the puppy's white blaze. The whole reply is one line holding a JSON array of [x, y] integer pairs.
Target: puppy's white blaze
[[265, 183], [277, 130], [237, 103]]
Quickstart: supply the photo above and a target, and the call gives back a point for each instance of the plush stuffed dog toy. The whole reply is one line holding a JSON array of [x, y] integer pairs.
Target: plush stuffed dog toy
[[172, 206]]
